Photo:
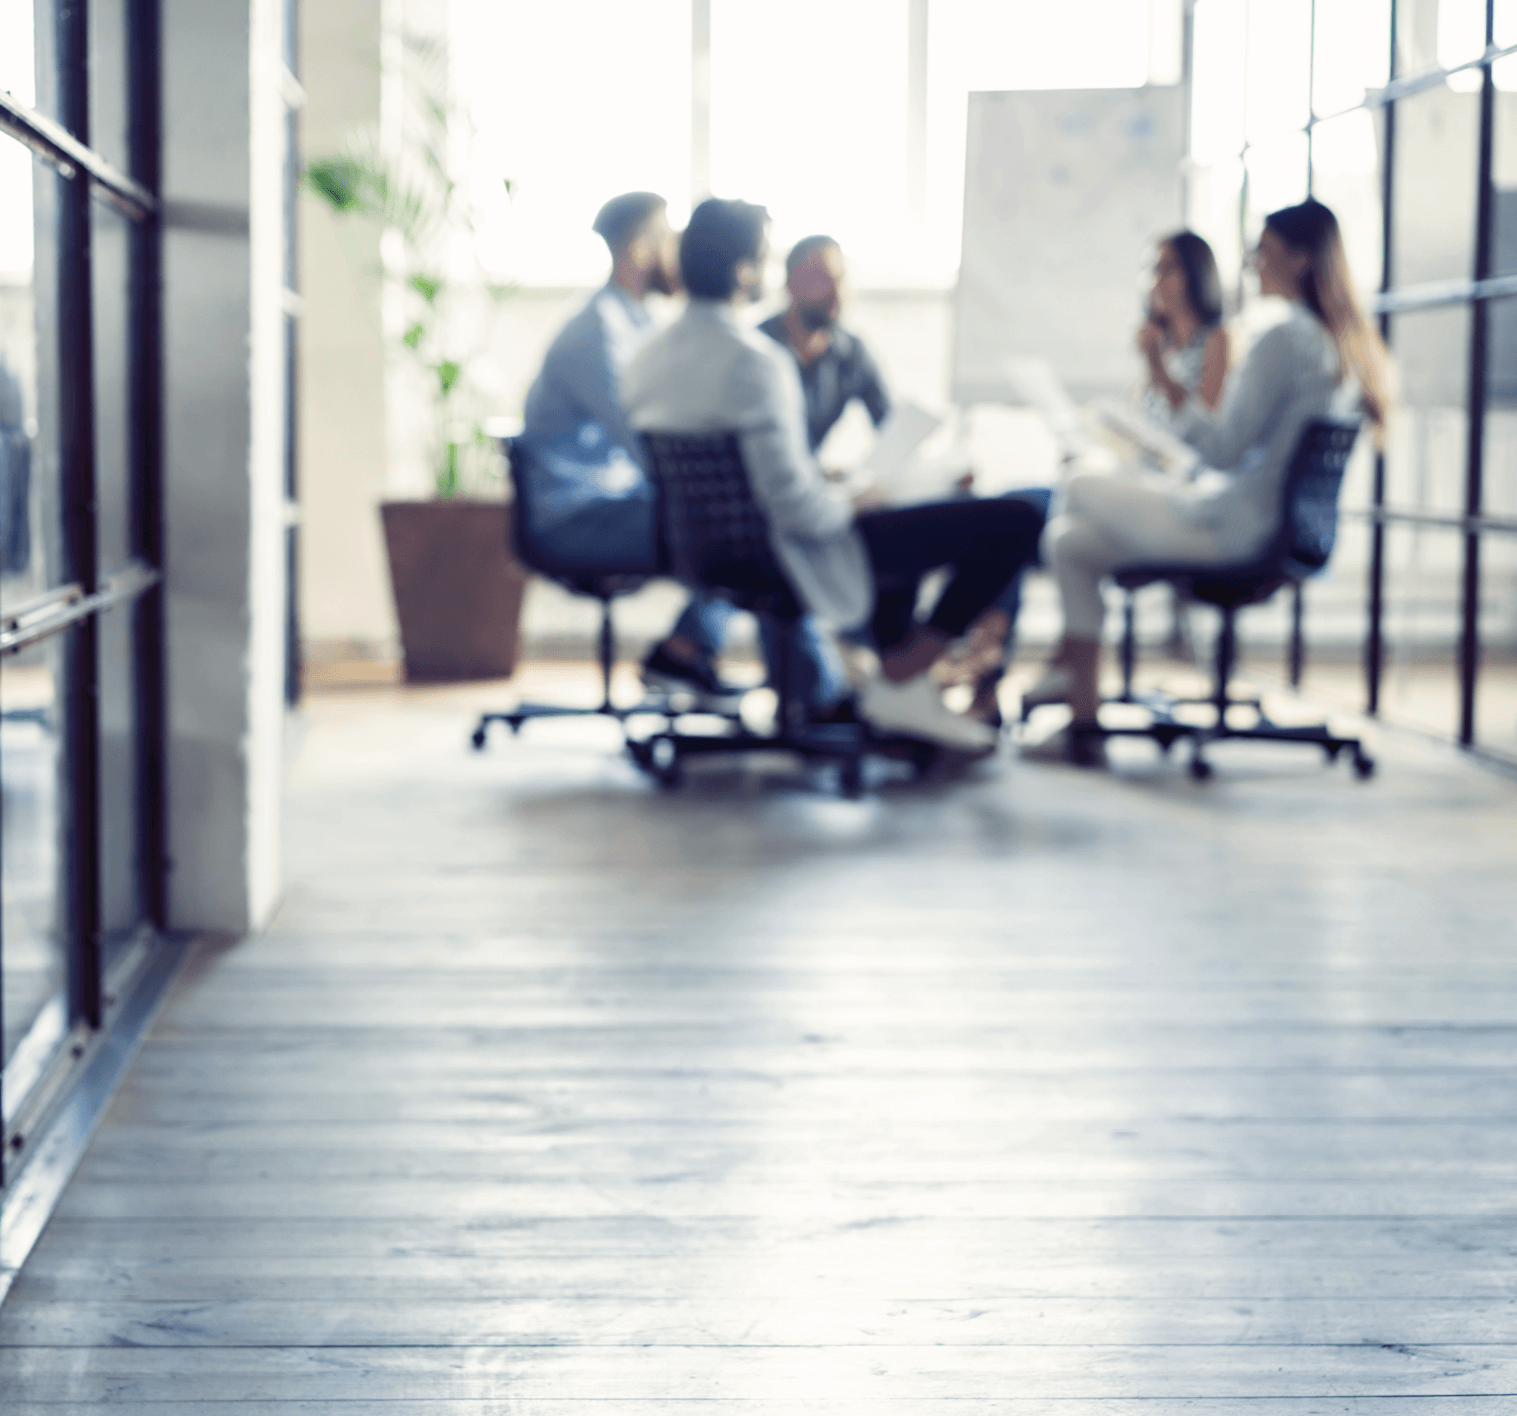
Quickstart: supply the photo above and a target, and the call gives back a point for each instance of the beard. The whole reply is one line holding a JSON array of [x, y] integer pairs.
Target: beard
[[816, 317], [664, 280]]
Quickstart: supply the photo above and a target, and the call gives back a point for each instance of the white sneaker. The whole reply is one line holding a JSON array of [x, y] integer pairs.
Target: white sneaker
[[915, 709]]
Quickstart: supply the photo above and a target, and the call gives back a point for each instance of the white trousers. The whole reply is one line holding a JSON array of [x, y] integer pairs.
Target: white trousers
[[1106, 522]]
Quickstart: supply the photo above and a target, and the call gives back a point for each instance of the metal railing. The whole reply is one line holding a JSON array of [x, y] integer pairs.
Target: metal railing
[[56, 610], [60, 149]]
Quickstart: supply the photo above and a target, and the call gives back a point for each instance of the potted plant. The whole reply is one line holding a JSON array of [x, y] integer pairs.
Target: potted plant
[[458, 590]]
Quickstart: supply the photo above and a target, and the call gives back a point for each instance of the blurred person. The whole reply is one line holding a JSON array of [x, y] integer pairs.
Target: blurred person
[[847, 564], [574, 408], [1324, 357], [835, 366], [1182, 340]]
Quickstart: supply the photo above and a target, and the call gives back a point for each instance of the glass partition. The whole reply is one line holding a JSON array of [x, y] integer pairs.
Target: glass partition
[[1398, 115], [79, 623], [32, 963]]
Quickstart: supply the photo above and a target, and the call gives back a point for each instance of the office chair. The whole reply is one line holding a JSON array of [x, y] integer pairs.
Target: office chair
[[593, 576], [1300, 549], [718, 542]]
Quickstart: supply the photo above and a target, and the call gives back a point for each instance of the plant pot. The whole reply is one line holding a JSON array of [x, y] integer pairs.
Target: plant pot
[[458, 589]]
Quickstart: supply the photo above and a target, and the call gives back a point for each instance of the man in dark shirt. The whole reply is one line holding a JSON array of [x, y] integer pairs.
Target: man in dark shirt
[[835, 366]]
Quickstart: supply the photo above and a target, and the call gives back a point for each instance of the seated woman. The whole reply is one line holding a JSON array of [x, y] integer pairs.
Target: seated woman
[[1183, 339], [1325, 354], [1184, 342], [708, 372]]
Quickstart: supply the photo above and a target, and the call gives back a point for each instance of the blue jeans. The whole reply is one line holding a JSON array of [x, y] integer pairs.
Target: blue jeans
[[820, 679]]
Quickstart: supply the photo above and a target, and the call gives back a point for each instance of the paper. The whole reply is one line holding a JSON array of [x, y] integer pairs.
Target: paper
[[1150, 442], [1035, 383], [887, 467]]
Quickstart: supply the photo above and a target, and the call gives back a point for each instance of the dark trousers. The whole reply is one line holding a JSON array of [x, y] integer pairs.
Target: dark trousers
[[985, 543]]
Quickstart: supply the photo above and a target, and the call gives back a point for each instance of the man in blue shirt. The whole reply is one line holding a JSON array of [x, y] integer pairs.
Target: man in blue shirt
[[574, 407]]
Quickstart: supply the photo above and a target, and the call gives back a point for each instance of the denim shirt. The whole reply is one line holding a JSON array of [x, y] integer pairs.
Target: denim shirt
[[581, 376]]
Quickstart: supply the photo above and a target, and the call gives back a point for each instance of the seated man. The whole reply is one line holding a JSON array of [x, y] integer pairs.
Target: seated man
[[575, 424], [707, 373], [835, 366]]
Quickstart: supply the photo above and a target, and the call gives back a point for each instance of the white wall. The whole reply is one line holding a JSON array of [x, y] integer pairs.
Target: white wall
[[345, 603], [222, 468]]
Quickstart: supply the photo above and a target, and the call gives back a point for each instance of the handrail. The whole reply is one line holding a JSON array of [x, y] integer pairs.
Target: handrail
[[54, 612], [1448, 520], [52, 142], [1442, 292], [49, 599], [1413, 84]]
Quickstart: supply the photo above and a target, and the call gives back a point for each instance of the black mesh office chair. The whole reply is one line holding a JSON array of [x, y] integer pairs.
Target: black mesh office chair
[[599, 579], [1300, 549], [718, 542]]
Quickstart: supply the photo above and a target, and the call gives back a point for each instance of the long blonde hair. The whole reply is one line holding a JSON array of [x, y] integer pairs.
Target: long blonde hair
[[1328, 290]]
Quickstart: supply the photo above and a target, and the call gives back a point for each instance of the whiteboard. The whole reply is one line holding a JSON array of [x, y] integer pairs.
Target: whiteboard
[[1065, 192]]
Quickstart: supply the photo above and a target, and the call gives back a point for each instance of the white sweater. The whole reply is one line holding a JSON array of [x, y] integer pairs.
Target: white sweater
[[707, 374], [1291, 376]]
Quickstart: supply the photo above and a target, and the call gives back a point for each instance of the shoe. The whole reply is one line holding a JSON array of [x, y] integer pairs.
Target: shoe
[[1080, 745], [663, 673], [1052, 687], [914, 709]]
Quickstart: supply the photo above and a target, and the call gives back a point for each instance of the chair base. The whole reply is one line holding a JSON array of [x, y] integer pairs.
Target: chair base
[[513, 718], [662, 755], [1166, 730]]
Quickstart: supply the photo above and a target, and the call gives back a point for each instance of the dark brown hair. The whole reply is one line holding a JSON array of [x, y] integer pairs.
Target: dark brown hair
[[1203, 286]]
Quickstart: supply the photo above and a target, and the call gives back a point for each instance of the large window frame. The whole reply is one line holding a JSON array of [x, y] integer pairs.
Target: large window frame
[[1476, 293], [71, 611]]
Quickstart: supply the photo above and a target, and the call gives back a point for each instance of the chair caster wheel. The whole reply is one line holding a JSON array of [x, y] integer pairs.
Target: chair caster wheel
[[1200, 769], [478, 739], [851, 779], [1364, 767], [659, 758]]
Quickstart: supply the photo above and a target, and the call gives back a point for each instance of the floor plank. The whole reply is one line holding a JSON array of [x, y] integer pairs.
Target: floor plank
[[1031, 1091]]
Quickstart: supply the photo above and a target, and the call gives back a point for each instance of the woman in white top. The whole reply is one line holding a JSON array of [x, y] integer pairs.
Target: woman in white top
[[1183, 339], [1325, 353]]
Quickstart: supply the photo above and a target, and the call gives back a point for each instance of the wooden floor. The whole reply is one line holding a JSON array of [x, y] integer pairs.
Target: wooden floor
[[1033, 1092]]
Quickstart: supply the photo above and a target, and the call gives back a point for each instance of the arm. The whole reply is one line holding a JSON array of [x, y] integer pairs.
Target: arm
[[588, 371], [786, 481], [1214, 368], [1253, 401], [873, 391]]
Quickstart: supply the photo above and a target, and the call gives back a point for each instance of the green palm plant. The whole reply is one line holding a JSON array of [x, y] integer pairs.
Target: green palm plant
[[408, 188]]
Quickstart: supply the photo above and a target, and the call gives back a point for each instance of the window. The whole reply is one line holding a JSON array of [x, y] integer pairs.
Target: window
[[572, 104], [1398, 151], [809, 113], [80, 619]]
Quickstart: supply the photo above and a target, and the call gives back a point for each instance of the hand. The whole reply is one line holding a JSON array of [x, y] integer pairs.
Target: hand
[[1151, 342]]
